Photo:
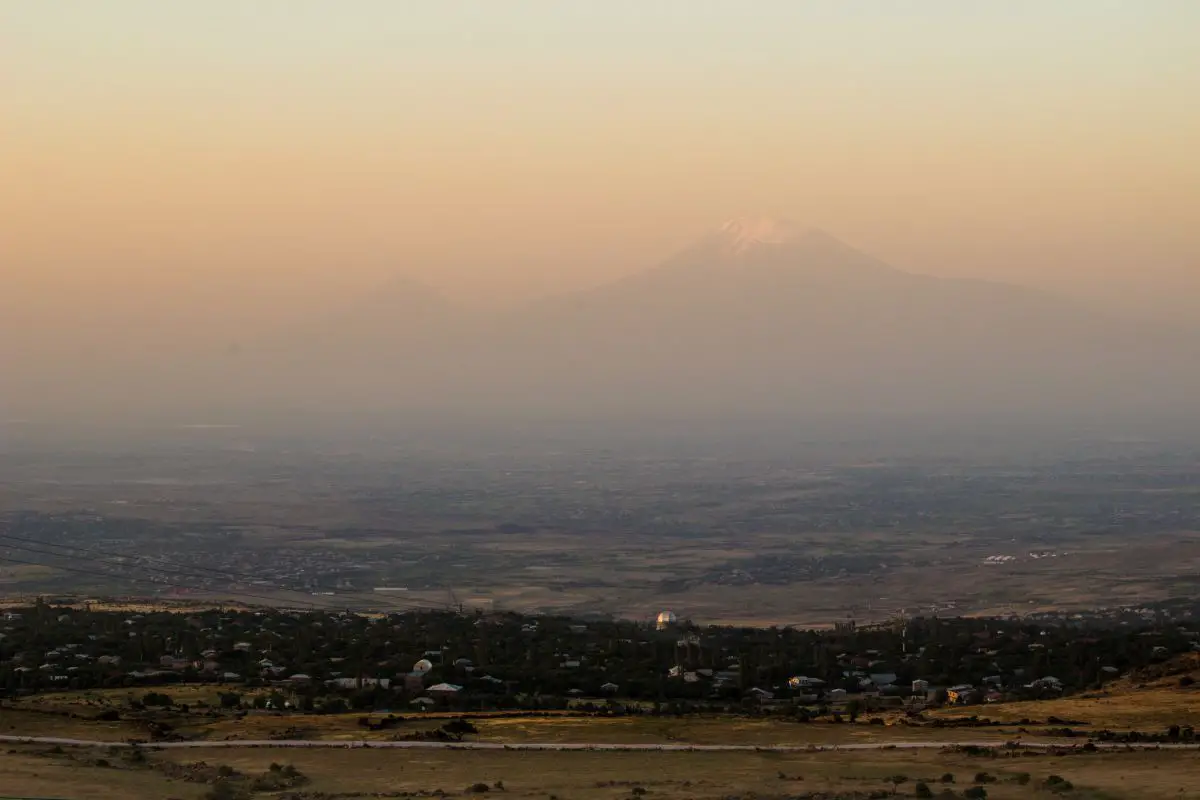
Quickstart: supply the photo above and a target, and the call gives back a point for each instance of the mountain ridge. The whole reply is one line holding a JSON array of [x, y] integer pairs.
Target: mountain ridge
[[752, 320]]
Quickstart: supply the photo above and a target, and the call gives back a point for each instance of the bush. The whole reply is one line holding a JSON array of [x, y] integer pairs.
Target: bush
[[922, 790], [983, 777], [976, 793], [223, 790], [1058, 784], [948, 778], [459, 728], [278, 777], [335, 705], [478, 788]]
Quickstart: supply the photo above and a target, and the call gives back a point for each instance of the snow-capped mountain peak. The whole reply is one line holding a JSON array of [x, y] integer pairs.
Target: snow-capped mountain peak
[[742, 233]]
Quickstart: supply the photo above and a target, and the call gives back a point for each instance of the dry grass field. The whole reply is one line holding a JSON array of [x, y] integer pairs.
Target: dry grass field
[[84, 773], [1149, 706], [1130, 704], [79, 775]]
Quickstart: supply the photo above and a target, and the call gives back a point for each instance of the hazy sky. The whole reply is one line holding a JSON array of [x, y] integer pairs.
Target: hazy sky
[[275, 152]]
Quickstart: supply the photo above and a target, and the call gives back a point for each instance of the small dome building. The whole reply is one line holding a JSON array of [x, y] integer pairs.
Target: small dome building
[[665, 620], [423, 666]]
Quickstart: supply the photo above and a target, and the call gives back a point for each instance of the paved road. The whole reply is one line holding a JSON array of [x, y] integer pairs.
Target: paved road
[[562, 747]]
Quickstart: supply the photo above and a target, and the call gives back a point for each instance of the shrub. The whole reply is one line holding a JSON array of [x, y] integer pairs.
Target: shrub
[[459, 728], [921, 789], [223, 790], [948, 778], [1058, 784], [976, 793], [478, 788]]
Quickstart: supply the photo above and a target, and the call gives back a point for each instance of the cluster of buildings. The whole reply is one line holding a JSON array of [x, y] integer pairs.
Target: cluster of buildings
[[488, 660]]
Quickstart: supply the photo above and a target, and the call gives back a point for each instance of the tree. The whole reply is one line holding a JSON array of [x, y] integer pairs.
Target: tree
[[1058, 784], [458, 728], [853, 709], [335, 705]]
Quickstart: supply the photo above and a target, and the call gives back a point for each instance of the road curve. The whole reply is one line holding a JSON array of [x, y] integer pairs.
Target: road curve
[[584, 747]]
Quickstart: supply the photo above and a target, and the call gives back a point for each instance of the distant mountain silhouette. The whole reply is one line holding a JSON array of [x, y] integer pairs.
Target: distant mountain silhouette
[[764, 316], [396, 317], [760, 318]]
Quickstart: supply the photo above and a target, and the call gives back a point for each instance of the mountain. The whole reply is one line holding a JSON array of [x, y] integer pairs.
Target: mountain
[[380, 350], [767, 317], [399, 317], [760, 319]]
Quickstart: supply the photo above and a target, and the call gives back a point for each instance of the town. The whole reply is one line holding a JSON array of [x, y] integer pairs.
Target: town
[[334, 662]]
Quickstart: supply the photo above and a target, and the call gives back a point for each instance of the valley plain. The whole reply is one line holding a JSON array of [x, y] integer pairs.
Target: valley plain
[[795, 533]]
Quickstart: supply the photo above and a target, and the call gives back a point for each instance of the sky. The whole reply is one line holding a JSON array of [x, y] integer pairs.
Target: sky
[[236, 163]]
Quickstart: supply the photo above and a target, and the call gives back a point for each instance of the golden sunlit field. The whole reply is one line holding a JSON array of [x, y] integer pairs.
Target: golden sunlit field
[[79, 773]]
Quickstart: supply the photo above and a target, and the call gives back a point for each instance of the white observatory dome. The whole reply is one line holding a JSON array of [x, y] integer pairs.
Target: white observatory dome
[[423, 666], [666, 618]]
